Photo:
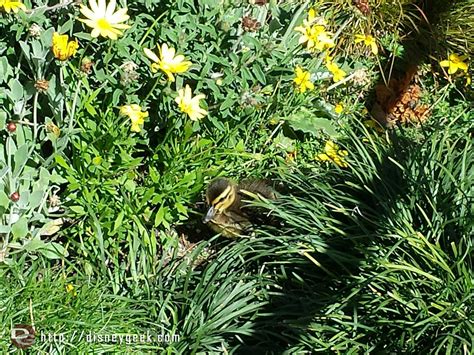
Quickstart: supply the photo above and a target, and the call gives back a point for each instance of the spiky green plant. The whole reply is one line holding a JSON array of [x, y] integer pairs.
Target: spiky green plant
[[456, 28], [403, 213]]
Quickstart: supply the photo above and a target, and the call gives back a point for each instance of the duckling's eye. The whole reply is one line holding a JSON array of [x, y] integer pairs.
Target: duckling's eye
[[219, 201]]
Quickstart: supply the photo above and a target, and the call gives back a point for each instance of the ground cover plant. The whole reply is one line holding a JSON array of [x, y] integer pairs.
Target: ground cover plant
[[116, 115]]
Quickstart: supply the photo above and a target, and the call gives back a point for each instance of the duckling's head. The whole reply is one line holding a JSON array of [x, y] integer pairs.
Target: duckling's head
[[220, 195]]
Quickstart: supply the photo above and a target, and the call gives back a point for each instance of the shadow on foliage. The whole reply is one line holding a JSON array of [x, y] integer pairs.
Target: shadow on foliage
[[333, 229], [338, 226], [331, 223]]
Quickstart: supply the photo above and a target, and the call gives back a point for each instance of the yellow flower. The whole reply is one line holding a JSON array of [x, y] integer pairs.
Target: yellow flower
[[308, 30], [306, 36], [134, 112], [315, 37], [103, 19], [302, 79], [339, 108], [337, 73], [167, 62], [307, 22], [63, 49], [323, 41], [189, 104], [70, 289], [334, 154], [14, 6], [454, 63], [313, 33], [368, 41]]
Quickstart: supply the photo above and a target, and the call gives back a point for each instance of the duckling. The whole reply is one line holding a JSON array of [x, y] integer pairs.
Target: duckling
[[227, 213]]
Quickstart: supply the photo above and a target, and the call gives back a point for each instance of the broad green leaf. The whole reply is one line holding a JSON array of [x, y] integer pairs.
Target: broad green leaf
[[257, 70], [5, 71], [26, 49], [307, 122], [11, 146], [53, 250], [181, 208], [4, 172], [20, 228], [52, 227], [78, 210], [34, 244], [20, 158], [35, 199], [16, 90], [60, 161]]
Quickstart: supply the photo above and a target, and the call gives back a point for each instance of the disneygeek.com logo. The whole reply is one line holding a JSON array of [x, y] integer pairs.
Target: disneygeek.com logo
[[23, 336]]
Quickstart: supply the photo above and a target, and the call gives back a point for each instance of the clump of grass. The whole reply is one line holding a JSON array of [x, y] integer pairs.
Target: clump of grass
[[457, 27], [403, 213], [205, 306], [387, 21]]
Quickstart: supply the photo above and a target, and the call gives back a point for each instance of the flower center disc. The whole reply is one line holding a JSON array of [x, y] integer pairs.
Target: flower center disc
[[103, 24]]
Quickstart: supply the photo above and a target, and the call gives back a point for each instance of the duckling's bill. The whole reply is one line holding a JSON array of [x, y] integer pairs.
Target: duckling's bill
[[211, 213]]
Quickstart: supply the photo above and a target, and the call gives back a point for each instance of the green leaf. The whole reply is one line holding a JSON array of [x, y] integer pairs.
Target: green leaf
[[227, 102], [159, 216], [16, 90], [3, 117], [4, 200], [52, 227], [5, 70], [257, 70], [20, 228], [11, 147], [20, 158], [53, 250], [118, 222], [57, 179], [35, 199], [34, 244], [307, 122], [130, 185], [181, 208], [60, 161], [78, 210], [26, 49], [4, 171]]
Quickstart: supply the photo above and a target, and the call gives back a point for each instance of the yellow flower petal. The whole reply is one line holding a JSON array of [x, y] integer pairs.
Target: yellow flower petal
[[167, 61], [137, 117], [444, 63], [463, 66], [302, 80], [62, 48], [189, 104], [322, 157]]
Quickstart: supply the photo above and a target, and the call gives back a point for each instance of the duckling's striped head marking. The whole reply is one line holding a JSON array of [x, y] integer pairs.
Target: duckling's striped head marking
[[220, 195]]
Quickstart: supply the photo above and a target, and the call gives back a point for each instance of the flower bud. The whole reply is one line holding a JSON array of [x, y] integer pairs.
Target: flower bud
[[15, 196], [11, 127]]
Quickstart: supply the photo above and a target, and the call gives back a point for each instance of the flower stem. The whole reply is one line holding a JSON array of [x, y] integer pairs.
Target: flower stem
[[152, 89]]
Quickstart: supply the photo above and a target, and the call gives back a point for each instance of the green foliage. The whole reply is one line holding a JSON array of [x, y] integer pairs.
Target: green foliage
[[371, 257], [393, 234], [455, 27]]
